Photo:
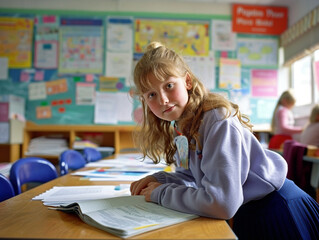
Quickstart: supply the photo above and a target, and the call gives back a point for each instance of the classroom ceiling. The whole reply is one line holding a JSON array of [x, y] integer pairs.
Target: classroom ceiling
[[251, 2]]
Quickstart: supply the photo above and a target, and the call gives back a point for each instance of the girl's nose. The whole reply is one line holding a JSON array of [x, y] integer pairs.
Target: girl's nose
[[163, 99]]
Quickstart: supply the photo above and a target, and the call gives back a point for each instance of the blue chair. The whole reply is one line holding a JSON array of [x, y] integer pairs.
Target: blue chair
[[31, 170], [70, 160], [91, 154], [6, 187]]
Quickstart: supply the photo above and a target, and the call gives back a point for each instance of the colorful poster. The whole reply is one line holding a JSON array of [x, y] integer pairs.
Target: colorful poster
[[264, 83], [204, 69], [229, 73], [258, 51], [81, 46], [46, 42], [57, 86], [119, 34], [85, 93], [37, 91], [110, 84], [16, 41], [46, 54], [43, 112], [185, 37], [259, 19], [223, 38]]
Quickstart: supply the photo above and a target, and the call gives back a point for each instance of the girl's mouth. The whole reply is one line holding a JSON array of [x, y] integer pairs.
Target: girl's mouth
[[169, 109]]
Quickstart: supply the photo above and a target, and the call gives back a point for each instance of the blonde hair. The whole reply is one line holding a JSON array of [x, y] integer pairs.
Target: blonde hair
[[314, 114], [156, 137], [287, 97]]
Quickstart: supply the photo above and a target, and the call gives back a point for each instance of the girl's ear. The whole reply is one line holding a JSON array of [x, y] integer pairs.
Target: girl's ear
[[188, 82]]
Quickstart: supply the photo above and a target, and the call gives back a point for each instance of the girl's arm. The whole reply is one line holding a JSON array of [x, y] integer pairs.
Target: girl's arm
[[220, 172], [234, 169]]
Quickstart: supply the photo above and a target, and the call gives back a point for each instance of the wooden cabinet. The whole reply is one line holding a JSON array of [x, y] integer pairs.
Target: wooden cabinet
[[10, 152], [119, 137]]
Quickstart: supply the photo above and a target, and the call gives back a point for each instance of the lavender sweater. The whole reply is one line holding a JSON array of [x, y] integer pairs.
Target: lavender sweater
[[231, 170]]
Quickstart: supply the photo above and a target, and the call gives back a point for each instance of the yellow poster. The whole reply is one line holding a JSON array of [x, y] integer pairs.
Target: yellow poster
[[16, 41], [185, 37]]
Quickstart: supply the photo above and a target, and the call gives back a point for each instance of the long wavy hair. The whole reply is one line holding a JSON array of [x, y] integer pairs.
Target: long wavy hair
[[155, 137]]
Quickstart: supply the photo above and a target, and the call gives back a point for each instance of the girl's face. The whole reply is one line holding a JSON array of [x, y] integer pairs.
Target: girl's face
[[287, 104], [167, 100]]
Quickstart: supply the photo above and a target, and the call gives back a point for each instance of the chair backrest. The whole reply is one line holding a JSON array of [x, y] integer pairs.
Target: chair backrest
[[287, 148], [31, 170], [298, 170], [91, 154], [6, 188], [276, 141], [70, 160]]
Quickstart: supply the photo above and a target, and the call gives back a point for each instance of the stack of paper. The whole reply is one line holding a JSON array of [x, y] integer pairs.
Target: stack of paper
[[61, 195], [124, 167], [114, 174], [81, 144], [129, 160], [47, 146]]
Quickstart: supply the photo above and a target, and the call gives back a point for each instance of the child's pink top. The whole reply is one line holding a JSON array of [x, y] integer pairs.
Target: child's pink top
[[284, 122]]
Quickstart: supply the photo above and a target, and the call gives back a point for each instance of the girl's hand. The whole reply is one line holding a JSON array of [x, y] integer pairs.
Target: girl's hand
[[149, 189], [137, 186]]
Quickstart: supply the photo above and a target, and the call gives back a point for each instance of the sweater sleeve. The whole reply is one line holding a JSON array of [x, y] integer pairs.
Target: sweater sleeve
[[219, 191]]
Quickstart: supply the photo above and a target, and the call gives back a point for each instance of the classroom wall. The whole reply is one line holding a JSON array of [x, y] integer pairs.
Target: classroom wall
[[297, 8], [127, 6], [161, 6]]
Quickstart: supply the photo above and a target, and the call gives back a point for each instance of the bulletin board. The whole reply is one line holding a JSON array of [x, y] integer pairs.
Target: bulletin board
[[76, 67]]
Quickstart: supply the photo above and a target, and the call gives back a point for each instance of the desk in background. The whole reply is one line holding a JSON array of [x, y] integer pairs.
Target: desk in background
[[262, 132], [22, 218]]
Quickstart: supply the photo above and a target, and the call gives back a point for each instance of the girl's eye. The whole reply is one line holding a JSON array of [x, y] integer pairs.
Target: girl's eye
[[151, 95], [170, 85]]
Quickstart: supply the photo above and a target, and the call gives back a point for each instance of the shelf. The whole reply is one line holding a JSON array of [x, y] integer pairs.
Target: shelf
[[119, 137]]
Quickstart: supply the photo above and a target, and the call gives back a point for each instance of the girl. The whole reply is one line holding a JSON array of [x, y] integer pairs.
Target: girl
[[282, 122], [222, 170], [310, 135]]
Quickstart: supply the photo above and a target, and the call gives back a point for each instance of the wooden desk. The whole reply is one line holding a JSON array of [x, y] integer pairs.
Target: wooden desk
[[22, 218]]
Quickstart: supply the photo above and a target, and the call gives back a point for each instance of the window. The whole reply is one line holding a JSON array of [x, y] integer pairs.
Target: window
[[316, 76], [302, 80]]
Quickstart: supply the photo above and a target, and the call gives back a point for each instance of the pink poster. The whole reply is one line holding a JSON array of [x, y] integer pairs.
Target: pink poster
[[4, 111], [264, 82], [317, 73]]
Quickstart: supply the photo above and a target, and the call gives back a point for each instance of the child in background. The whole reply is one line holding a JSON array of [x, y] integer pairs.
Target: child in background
[[283, 120], [310, 135], [222, 171]]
